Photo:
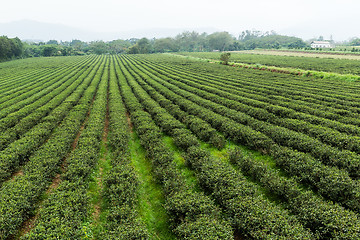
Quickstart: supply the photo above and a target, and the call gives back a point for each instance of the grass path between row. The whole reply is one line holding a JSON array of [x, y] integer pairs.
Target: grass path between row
[[151, 198]]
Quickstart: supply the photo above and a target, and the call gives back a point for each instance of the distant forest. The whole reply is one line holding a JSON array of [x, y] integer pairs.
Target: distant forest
[[12, 48]]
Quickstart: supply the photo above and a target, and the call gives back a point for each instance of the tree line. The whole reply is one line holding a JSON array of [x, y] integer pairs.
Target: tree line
[[218, 41], [184, 42]]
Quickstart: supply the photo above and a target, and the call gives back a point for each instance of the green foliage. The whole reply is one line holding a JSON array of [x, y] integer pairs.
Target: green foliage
[[309, 128], [52, 109], [184, 205], [10, 48], [99, 47], [255, 138], [38, 173], [216, 178], [48, 51], [257, 39], [142, 46], [220, 41], [320, 215], [165, 45], [225, 57]]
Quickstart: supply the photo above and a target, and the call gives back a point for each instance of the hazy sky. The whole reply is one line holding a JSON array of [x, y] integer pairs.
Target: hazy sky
[[338, 17]]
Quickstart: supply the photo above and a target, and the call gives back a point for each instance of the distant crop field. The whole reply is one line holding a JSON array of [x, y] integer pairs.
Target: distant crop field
[[341, 66], [165, 147], [340, 55]]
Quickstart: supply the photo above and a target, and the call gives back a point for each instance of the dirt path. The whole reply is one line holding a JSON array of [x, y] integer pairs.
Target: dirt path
[[19, 172], [131, 127]]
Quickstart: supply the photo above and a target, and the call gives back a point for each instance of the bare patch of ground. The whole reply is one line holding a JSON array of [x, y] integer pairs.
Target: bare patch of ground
[[20, 172], [129, 122]]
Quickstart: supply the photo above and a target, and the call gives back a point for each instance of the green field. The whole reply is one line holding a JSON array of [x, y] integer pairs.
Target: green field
[[308, 53], [299, 61], [164, 147]]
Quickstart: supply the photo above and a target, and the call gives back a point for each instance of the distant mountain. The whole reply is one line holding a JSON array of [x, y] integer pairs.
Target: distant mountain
[[35, 31], [28, 29]]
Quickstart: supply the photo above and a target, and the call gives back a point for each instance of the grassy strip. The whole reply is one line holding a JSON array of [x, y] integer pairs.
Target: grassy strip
[[151, 198], [180, 162]]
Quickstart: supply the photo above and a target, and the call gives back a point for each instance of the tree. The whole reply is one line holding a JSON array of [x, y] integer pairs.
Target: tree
[[5, 48], [143, 45], [119, 46], [224, 57], [10, 48], [48, 50], [165, 45], [99, 47], [220, 41], [191, 41], [133, 49], [17, 47]]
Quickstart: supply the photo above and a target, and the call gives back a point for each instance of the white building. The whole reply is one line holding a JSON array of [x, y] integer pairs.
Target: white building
[[321, 44]]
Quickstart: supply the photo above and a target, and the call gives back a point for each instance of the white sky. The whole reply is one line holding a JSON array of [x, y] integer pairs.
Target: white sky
[[231, 15]]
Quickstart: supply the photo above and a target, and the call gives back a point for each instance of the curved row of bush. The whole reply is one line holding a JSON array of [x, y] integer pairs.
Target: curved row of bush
[[283, 107], [283, 136], [62, 215], [20, 195], [19, 151], [231, 190], [22, 83], [268, 87], [13, 70], [10, 77], [326, 219], [17, 100], [50, 102], [193, 214], [331, 182], [202, 129], [324, 89], [19, 110], [327, 88]]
